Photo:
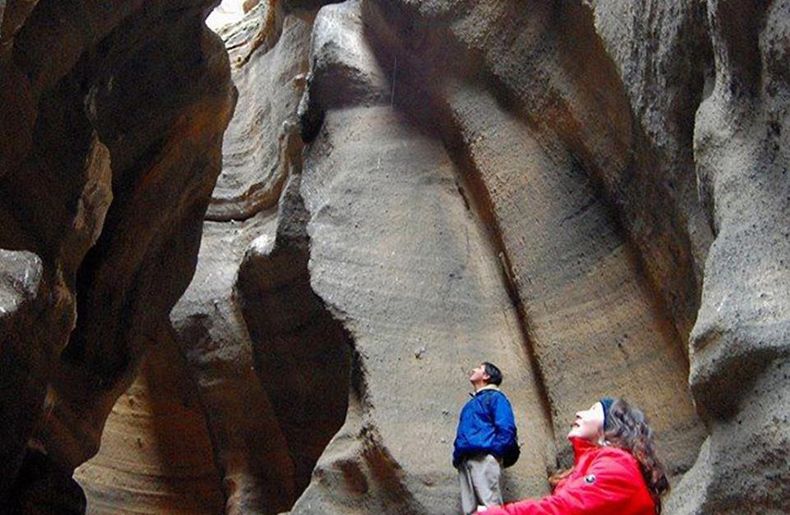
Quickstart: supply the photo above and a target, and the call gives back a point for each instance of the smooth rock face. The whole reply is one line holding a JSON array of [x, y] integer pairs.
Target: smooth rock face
[[596, 295], [592, 194], [268, 54], [403, 262]]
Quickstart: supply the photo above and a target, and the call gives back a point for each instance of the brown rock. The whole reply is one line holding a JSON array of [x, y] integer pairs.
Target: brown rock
[[301, 353], [111, 121], [230, 343], [402, 262], [160, 422], [251, 451]]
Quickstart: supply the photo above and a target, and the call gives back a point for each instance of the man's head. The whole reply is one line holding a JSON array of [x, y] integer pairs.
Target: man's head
[[485, 373]]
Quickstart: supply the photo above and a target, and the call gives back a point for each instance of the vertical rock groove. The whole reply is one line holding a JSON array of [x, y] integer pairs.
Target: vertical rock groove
[[301, 354], [483, 208], [422, 302]]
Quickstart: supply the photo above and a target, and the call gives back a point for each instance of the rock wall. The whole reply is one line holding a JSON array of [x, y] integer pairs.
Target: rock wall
[[111, 122], [160, 422], [592, 194], [739, 345]]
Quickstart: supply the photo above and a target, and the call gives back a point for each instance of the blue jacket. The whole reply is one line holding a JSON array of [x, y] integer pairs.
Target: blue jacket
[[486, 425]]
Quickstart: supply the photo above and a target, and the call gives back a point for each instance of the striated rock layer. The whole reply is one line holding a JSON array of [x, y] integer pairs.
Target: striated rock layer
[[592, 194], [160, 422]]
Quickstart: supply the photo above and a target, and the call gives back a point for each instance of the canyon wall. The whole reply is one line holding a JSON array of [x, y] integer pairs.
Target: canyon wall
[[592, 194], [111, 123]]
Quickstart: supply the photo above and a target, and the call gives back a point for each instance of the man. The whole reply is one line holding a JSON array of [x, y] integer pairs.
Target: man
[[486, 432]]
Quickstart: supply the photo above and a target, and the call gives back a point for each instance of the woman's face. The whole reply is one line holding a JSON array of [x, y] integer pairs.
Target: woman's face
[[588, 424]]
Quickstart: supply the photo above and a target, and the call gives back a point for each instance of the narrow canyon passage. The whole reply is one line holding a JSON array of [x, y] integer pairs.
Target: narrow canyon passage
[[424, 246], [246, 267]]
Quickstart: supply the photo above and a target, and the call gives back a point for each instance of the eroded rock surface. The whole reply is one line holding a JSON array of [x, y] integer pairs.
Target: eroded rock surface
[[585, 192], [741, 341], [422, 302], [160, 421], [111, 122]]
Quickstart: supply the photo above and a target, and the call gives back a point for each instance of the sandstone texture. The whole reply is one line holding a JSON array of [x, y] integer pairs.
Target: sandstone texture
[[276, 312], [159, 420]]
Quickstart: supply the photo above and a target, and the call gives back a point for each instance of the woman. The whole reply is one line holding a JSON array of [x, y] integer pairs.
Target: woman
[[615, 469]]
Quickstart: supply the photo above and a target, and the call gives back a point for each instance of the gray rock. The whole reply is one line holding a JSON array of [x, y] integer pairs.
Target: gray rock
[[741, 341], [23, 382]]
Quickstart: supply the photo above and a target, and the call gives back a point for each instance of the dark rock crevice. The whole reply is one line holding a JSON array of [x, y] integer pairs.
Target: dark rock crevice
[[301, 353], [69, 174]]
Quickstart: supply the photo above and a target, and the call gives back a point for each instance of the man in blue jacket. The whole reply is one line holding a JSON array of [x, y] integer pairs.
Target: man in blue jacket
[[486, 430]]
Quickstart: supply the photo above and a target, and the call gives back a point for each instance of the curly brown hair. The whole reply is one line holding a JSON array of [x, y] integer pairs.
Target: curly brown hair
[[627, 428]]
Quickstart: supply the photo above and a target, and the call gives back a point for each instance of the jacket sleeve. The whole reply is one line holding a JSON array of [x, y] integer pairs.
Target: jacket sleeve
[[504, 423], [608, 487]]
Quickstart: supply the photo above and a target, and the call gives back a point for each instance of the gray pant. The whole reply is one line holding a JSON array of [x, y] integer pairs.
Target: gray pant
[[479, 478]]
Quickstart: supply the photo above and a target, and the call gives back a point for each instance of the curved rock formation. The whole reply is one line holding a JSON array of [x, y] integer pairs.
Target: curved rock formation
[[592, 194], [111, 123], [160, 422], [741, 341]]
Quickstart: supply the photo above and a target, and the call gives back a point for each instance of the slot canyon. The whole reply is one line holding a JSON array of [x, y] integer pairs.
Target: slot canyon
[[246, 267]]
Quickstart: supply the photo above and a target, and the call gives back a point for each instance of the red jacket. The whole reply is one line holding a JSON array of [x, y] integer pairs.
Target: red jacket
[[605, 480]]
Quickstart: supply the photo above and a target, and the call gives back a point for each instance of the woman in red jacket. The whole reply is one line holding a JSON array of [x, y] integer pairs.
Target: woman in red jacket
[[615, 469]]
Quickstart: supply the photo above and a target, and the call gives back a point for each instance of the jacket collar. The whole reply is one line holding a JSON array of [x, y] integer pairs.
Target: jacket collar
[[486, 387], [582, 446]]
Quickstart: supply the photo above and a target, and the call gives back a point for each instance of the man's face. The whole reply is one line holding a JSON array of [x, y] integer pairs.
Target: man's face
[[479, 374]]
